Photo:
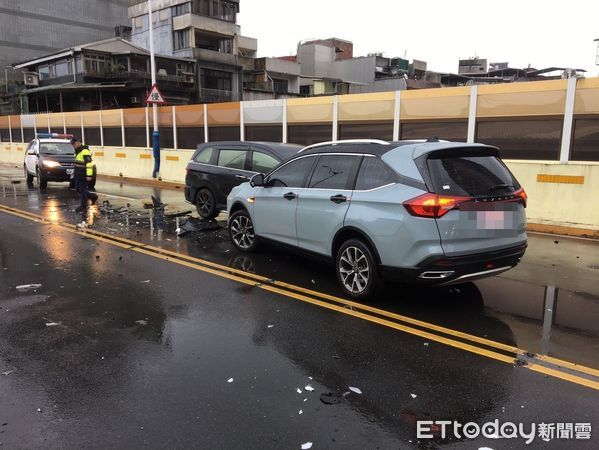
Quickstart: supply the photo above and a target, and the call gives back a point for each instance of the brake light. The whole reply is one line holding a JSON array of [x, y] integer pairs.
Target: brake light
[[521, 193], [433, 205]]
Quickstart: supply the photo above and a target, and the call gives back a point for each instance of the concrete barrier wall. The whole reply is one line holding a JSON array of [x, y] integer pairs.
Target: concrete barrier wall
[[561, 196]]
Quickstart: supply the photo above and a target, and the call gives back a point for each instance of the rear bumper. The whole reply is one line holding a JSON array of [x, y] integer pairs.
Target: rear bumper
[[444, 270]]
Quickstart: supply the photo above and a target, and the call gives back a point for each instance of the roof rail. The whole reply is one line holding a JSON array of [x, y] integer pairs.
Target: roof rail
[[346, 141]]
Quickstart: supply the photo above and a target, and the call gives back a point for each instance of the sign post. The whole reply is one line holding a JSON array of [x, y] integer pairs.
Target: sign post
[[156, 134]]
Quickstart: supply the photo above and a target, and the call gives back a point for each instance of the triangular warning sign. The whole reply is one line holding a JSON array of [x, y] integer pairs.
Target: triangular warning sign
[[155, 96]]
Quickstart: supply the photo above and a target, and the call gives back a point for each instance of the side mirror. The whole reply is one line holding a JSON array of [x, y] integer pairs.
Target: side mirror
[[31, 152], [257, 180]]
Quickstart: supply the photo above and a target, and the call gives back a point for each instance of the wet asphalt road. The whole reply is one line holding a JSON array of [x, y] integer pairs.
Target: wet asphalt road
[[142, 347]]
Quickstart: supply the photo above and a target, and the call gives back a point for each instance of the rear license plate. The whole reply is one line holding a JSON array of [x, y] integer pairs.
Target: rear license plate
[[492, 220], [70, 171]]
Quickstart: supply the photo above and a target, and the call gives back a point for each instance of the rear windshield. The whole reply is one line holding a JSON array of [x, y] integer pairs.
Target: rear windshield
[[56, 148], [474, 176]]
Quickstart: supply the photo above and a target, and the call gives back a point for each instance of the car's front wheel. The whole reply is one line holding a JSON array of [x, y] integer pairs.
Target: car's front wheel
[[28, 176], [206, 204], [241, 230], [357, 270], [41, 180]]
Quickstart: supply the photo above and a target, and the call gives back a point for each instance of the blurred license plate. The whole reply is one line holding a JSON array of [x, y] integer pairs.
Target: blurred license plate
[[491, 220], [70, 171]]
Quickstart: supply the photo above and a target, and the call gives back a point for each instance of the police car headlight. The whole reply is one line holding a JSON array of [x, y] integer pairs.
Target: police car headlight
[[51, 164]]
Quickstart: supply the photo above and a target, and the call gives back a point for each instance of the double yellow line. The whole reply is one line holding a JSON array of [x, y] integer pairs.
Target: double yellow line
[[498, 351]]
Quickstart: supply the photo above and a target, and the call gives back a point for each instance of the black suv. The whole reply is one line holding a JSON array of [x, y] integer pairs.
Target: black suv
[[217, 167]]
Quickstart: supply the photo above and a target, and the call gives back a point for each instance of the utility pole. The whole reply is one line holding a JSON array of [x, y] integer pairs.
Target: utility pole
[[156, 134]]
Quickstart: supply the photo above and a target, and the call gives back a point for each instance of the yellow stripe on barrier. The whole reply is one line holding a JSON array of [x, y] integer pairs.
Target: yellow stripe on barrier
[[144, 156], [120, 155], [172, 158], [561, 179], [98, 153]]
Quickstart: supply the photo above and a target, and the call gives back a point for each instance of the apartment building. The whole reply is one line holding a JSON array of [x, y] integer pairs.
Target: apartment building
[[203, 30]]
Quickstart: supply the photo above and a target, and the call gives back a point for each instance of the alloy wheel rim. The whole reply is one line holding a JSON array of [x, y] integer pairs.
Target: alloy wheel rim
[[354, 270], [204, 203], [242, 232]]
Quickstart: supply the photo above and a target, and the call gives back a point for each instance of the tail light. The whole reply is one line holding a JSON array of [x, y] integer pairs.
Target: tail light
[[521, 194], [433, 205]]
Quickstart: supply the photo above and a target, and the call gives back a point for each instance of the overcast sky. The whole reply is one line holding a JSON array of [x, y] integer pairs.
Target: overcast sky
[[539, 33]]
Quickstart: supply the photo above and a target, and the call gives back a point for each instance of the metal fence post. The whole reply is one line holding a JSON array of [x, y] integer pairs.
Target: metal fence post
[[206, 123], [335, 133], [123, 128], [175, 139], [241, 123], [472, 114], [285, 120], [396, 115], [564, 154]]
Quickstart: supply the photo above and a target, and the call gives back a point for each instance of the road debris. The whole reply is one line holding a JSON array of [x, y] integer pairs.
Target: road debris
[[52, 324], [301, 411], [413, 395], [270, 326], [355, 389], [307, 446], [8, 372], [298, 390], [230, 380], [28, 287], [146, 281], [141, 322], [193, 225], [309, 388], [330, 399]]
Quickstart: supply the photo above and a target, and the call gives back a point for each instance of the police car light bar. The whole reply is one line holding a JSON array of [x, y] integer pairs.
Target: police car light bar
[[54, 135]]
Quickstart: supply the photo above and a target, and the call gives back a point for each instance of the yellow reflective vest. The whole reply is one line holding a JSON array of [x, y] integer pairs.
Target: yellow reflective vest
[[83, 163]]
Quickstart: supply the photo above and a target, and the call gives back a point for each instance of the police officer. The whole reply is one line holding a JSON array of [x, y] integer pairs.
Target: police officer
[[84, 172]]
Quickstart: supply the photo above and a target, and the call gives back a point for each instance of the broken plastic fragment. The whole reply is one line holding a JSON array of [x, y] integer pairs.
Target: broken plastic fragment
[[307, 445], [28, 287], [301, 411], [270, 326], [413, 395], [330, 398], [299, 391], [146, 281], [230, 380], [8, 372], [355, 389], [52, 324], [141, 322], [309, 388]]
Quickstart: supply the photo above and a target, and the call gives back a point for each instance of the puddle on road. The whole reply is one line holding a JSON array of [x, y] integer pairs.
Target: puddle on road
[[547, 319]]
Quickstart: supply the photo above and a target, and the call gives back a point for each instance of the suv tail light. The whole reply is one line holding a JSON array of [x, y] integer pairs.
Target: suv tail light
[[521, 193], [433, 205]]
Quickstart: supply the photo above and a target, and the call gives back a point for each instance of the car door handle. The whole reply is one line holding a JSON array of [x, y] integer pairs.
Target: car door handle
[[338, 198], [241, 177], [290, 196]]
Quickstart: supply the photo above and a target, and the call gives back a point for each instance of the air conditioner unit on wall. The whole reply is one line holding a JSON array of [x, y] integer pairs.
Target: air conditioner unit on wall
[[31, 79]]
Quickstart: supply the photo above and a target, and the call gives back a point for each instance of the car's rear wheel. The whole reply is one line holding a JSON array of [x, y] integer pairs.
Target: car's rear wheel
[[357, 270], [41, 180], [206, 204], [28, 176], [241, 230]]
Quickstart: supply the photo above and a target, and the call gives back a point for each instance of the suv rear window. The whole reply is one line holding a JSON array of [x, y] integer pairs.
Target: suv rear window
[[474, 176]]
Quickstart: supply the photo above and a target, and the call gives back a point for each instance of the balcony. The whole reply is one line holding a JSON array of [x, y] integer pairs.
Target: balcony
[[216, 96], [227, 59], [132, 75]]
